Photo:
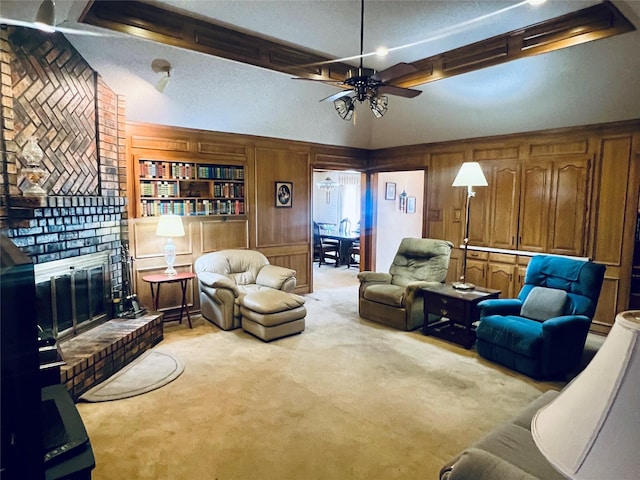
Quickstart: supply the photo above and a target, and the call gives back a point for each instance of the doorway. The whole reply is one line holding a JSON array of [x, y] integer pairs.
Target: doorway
[[337, 195]]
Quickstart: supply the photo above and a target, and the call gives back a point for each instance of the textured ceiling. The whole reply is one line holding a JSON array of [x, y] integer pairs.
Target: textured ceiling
[[589, 83]]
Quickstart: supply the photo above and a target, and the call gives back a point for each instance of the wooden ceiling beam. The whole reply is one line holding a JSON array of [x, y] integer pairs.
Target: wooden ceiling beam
[[593, 23], [173, 28], [161, 25]]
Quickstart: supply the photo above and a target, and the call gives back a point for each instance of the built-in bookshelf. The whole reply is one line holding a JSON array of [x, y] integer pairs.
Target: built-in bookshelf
[[190, 188]]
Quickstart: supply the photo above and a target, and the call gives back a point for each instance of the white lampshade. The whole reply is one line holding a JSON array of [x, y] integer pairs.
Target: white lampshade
[[170, 226], [470, 175], [591, 431]]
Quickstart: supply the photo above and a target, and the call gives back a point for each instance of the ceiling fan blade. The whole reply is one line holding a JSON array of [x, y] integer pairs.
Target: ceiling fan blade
[[336, 96], [399, 91], [335, 83], [395, 71]]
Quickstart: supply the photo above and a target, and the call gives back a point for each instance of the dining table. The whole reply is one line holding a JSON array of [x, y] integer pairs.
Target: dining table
[[345, 241]]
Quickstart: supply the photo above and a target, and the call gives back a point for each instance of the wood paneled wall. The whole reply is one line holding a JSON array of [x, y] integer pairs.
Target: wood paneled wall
[[595, 165], [283, 235], [592, 177]]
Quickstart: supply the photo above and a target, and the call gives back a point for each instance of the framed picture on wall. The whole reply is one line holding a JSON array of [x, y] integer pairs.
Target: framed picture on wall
[[284, 194], [390, 191], [411, 205]]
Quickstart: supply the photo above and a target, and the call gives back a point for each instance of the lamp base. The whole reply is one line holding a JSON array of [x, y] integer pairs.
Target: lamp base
[[170, 257], [463, 286], [170, 271]]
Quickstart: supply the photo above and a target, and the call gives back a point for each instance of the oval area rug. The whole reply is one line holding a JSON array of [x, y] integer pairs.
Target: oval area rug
[[149, 371]]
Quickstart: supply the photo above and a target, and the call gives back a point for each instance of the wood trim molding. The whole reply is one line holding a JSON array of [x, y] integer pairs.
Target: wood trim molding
[[171, 27], [593, 23]]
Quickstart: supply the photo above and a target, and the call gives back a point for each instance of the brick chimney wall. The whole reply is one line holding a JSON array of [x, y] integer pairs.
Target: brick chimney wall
[[49, 91]]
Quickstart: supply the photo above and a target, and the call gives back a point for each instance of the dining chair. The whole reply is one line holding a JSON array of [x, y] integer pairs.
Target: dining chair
[[353, 252], [323, 250], [345, 226]]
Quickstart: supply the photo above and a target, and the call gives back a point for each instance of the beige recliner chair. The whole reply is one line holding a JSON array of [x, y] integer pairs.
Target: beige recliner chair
[[390, 298], [227, 275]]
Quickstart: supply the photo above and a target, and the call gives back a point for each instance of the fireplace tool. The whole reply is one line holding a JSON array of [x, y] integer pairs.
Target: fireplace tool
[[130, 306]]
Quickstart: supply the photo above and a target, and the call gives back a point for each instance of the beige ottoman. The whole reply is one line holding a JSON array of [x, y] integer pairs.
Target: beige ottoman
[[271, 314]]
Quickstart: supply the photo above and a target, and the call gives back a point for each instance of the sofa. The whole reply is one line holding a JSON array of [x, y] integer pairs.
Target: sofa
[[506, 453], [390, 298], [225, 276]]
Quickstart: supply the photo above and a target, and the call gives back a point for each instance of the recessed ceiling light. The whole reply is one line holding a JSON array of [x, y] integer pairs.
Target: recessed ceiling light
[[382, 51], [536, 2]]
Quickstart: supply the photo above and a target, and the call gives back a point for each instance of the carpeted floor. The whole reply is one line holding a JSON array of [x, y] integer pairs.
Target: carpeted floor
[[346, 399]]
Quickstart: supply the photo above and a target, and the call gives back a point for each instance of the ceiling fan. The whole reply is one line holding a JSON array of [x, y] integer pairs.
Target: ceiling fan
[[362, 84]]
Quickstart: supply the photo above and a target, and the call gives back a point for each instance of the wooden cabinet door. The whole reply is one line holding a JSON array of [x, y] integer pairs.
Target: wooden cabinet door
[[479, 213], [476, 272], [521, 271], [502, 277], [504, 183], [535, 192], [568, 206]]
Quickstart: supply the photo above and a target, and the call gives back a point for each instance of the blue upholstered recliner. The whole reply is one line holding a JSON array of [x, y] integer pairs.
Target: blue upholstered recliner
[[542, 332]]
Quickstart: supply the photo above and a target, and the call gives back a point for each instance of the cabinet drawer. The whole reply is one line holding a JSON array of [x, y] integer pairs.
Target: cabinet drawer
[[477, 255], [523, 260], [444, 306], [502, 258]]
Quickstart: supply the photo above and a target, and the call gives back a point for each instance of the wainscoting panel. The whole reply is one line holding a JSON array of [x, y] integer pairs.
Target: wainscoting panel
[[221, 234]]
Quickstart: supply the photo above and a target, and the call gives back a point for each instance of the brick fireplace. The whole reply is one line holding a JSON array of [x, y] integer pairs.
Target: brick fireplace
[[48, 91]]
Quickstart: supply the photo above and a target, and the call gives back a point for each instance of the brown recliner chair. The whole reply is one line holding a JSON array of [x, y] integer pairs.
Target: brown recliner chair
[[227, 275], [390, 298]]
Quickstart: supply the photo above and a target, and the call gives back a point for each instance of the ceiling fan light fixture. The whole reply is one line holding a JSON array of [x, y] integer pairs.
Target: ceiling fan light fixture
[[345, 106], [160, 65], [379, 105], [46, 16]]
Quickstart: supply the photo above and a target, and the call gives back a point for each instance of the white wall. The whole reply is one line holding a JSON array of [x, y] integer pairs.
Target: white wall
[[392, 224], [344, 202]]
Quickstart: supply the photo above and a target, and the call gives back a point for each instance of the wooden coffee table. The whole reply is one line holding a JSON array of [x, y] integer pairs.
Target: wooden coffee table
[[457, 311]]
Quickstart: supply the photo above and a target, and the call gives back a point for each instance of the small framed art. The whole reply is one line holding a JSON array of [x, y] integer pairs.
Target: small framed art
[[284, 194], [390, 191], [411, 205]]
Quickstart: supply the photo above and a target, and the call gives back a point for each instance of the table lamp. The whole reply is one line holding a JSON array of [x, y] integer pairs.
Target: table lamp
[[170, 226], [591, 431], [470, 175]]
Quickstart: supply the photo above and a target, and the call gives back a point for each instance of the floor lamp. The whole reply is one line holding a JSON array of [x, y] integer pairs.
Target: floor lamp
[[470, 175]]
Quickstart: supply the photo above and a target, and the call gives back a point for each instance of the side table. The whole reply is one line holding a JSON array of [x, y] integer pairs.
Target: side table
[[457, 311], [155, 281]]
